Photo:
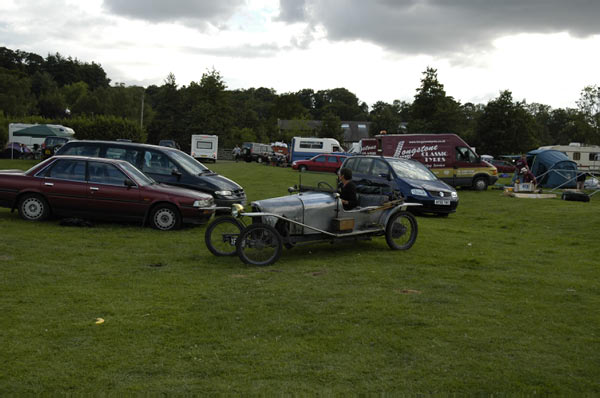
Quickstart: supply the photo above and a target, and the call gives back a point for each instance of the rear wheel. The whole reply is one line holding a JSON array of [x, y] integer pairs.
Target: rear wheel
[[401, 231], [33, 207], [221, 235], [165, 217], [259, 244], [480, 184]]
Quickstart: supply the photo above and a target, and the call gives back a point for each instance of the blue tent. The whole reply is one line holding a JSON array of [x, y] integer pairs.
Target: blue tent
[[552, 168]]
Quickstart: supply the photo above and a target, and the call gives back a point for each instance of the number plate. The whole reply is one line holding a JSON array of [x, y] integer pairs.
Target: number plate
[[442, 202]]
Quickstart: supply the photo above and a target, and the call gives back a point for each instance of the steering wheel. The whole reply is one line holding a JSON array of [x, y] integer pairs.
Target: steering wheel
[[323, 184]]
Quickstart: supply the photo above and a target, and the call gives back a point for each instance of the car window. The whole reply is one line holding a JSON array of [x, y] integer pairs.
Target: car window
[[332, 159], [67, 169], [320, 159], [104, 173], [411, 169], [188, 163], [364, 164], [82, 150], [379, 168], [157, 163], [351, 164], [464, 154], [130, 155]]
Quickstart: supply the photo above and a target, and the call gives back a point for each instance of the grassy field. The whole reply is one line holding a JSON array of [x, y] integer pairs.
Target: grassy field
[[501, 297]]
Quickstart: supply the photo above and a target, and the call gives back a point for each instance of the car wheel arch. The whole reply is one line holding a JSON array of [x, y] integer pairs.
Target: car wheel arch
[[28, 192], [154, 205]]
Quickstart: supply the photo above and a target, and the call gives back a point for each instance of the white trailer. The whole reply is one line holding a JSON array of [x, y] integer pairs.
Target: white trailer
[[586, 157], [204, 147], [31, 134]]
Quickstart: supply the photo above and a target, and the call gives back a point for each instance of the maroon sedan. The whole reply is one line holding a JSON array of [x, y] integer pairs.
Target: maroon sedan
[[325, 162], [503, 166], [100, 188]]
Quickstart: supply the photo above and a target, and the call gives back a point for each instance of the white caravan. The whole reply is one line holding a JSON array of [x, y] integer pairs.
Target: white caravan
[[205, 147], [586, 157]]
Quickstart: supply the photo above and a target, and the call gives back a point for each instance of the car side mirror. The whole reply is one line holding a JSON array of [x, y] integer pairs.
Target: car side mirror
[[176, 173], [128, 183], [386, 176]]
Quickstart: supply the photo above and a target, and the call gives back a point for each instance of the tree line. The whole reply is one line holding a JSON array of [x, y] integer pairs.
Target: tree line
[[78, 94]]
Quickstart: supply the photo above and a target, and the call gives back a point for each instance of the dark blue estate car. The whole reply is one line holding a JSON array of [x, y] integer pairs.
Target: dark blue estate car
[[163, 164], [411, 179]]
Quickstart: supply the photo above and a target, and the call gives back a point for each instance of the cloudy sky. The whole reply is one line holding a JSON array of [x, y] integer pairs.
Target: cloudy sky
[[544, 51]]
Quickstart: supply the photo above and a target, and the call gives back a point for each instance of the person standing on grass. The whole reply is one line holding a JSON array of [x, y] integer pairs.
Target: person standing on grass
[[236, 153], [348, 190]]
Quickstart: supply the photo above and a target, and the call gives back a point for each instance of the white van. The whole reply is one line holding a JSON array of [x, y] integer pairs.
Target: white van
[[205, 147], [306, 147], [32, 134], [586, 157]]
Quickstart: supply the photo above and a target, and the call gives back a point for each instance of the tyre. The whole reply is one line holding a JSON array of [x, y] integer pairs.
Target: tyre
[[302, 168], [221, 235], [259, 244], [33, 207], [165, 217], [259, 159], [401, 231], [480, 184]]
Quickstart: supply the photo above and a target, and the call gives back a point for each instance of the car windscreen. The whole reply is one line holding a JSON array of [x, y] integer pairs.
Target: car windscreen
[[413, 170], [188, 163], [137, 176]]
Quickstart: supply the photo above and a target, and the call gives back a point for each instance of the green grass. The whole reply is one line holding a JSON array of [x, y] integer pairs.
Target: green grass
[[501, 297]]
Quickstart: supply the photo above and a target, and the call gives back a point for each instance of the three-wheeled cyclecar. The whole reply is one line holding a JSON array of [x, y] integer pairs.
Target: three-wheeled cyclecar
[[309, 214]]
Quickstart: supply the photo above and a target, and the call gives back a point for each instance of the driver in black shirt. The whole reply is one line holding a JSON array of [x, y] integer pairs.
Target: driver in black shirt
[[347, 190]]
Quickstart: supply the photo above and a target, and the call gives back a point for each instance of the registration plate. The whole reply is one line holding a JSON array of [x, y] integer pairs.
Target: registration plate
[[442, 202]]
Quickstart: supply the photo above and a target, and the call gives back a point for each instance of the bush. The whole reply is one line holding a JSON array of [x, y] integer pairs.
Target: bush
[[104, 128]]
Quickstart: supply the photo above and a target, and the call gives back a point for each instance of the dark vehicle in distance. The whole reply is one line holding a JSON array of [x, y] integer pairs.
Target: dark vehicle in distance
[[503, 166], [325, 162], [169, 144], [256, 152], [409, 178], [163, 164], [97, 188], [51, 144]]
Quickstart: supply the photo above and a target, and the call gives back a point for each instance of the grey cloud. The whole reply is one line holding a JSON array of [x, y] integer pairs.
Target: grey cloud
[[292, 11], [241, 51], [204, 11], [445, 27]]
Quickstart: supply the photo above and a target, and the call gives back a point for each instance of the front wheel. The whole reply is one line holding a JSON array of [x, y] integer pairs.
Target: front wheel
[[401, 231], [165, 218], [33, 207], [302, 168], [221, 235], [259, 244], [480, 184]]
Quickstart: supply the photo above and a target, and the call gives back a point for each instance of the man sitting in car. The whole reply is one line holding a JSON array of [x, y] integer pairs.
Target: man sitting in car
[[347, 190]]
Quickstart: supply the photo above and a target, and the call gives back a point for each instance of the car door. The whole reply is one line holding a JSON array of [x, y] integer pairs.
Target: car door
[[319, 163], [464, 167], [160, 167], [333, 163], [109, 196], [65, 187]]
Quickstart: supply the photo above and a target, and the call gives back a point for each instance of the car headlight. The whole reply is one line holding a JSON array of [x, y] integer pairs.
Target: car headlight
[[203, 203], [454, 195], [223, 193], [418, 192], [236, 209]]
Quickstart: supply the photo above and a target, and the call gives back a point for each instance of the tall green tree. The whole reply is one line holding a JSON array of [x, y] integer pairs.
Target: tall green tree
[[505, 127], [433, 111]]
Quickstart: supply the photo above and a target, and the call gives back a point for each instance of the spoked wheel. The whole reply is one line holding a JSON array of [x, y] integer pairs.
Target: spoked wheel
[[33, 208], [222, 234], [259, 244], [401, 231], [165, 217]]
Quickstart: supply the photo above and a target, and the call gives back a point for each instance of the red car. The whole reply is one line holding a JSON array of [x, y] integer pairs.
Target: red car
[[503, 166], [100, 188], [325, 162]]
